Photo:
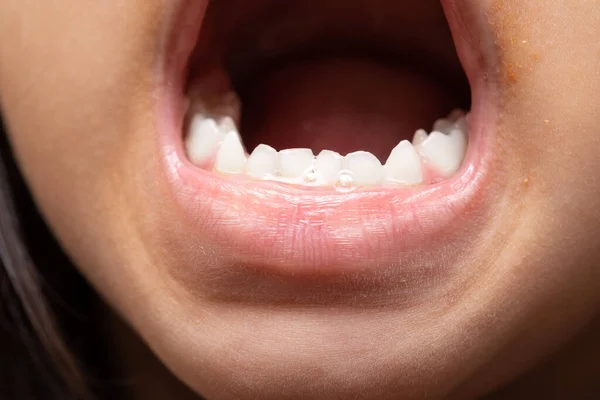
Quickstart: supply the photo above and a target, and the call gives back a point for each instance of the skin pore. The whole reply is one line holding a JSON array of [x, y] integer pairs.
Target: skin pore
[[78, 92]]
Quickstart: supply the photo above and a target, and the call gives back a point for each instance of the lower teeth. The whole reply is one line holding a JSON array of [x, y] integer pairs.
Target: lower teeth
[[214, 143]]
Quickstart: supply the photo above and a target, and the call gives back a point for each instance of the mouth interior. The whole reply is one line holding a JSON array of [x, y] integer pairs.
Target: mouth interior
[[349, 77]]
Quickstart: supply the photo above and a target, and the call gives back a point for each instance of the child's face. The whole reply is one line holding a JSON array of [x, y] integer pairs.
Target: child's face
[[452, 267]]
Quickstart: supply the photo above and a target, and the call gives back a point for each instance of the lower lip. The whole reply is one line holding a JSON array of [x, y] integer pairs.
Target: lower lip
[[289, 231]]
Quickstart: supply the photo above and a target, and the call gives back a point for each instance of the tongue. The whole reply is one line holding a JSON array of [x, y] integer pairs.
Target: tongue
[[344, 105]]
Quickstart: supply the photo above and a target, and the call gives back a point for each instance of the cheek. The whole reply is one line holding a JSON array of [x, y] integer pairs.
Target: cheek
[[548, 139], [548, 122], [548, 68], [77, 98]]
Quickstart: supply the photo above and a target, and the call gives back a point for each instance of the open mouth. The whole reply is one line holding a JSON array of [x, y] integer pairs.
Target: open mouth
[[317, 135], [323, 97]]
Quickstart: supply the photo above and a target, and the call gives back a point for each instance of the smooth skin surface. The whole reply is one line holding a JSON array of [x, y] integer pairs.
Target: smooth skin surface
[[77, 80]]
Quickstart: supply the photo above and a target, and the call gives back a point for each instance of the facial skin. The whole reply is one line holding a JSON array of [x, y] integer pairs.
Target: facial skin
[[77, 91]]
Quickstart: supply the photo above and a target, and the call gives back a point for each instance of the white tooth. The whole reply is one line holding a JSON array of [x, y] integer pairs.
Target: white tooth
[[262, 162], [198, 108], [328, 166], [294, 163], [231, 157], [203, 139], [443, 125], [212, 98], [228, 105], [455, 115], [227, 125], [445, 152], [404, 165], [462, 125], [365, 168], [420, 136]]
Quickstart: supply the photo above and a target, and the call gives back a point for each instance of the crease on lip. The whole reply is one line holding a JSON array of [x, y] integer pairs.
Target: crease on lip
[[291, 226]]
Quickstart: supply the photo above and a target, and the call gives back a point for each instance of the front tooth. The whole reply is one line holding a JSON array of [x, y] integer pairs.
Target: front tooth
[[294, 163], [445, 152], [404, 165], [203, 139], [262, 162], [365, 168], [420, 136], [328, 166], [231, 157]]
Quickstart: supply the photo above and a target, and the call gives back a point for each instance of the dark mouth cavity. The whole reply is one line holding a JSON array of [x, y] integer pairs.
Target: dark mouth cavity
[[255, 40]]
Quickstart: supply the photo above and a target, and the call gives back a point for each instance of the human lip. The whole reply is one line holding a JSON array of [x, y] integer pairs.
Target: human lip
[[291, 231]]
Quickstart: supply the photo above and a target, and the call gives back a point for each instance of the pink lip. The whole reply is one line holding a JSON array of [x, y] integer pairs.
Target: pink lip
[[306, 233]]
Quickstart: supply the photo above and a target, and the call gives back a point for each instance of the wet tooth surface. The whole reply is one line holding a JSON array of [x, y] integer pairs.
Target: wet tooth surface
[[231, 157], [328, 165], [262, 162], [364, 167], [295, 163], [404, 165], [420, 136], [445, 152], [203, 139]]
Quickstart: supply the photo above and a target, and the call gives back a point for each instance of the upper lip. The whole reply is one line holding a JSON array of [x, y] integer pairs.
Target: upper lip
[[291, 232]]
